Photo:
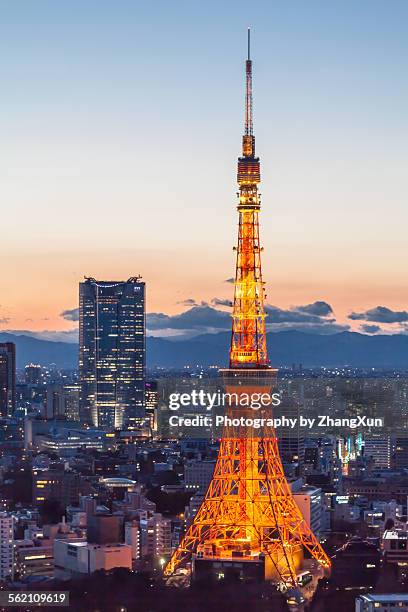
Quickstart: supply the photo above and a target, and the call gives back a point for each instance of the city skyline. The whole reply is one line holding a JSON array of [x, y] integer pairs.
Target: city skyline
[[174, 451], [108, 126]]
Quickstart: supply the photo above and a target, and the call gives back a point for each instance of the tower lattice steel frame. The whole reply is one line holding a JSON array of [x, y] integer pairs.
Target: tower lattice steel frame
[[248, 509]]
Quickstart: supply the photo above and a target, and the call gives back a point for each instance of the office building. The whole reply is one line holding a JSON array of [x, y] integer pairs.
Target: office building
[[311, 457], [151, 403], [381, 603], [66, 442], [32, 374], [28, 433], [55, 402], [6, 545], [56, 485], [88, 504], [377, 448], [112, 352], [71, 402], [198, 474], [33, 558], [309, 501], [357, 564], [104, 529], [193, 506], [77, 559], [155, 535], [401, 452], [7, 378], [291, 440], [132, 538], [379, 488], [62, 402], [395, 546]]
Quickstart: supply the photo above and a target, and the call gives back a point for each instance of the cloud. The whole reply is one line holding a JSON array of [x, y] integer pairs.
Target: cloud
[[201, 318], [380, 314], [70, 315], [310, 313], [4, 319], [403, 328], [292, 315], [319, 308], [188, 302], [221, 302], [158, 320], [366, 328], [311, 318]]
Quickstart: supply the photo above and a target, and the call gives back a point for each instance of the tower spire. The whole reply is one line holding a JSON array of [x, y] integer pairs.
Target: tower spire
[[248, 340], [248, 97]]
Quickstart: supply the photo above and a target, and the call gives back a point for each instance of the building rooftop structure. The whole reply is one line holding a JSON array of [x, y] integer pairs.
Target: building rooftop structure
[[113, 482]]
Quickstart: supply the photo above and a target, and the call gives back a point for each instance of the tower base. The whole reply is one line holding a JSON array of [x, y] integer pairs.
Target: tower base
[[248, 515]]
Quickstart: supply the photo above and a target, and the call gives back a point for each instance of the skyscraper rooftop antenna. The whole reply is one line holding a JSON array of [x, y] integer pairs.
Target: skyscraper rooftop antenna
[[248, 97]]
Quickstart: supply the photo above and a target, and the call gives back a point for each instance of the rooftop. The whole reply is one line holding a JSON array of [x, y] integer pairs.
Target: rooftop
[[395, 535], [117, 482], [391, 598]]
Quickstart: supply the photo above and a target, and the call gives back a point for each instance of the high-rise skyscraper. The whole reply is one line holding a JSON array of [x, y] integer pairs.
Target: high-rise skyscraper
[[112, 352], [6, 545], [151, 400], [7, 378], [32, 374], [62, 401]]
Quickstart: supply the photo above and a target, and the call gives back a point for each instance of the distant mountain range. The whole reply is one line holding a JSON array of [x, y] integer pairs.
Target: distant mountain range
[[285, 348], [33, 350]]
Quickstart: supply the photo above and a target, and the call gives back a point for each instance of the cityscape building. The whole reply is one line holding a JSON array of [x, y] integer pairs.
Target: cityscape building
[[7, 378], [112, 352]]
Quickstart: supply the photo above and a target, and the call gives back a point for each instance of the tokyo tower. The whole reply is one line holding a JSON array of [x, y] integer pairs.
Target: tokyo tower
[[248, 513]]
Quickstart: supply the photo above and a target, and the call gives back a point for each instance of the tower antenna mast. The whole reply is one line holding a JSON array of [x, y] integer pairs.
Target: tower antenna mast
[[248, 98]]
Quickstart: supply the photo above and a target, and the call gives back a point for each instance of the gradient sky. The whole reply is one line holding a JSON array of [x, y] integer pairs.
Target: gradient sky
[[120, 125]]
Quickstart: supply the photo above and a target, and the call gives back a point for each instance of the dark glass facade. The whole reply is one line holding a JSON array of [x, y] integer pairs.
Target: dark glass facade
[[112, 352], [7, 378]]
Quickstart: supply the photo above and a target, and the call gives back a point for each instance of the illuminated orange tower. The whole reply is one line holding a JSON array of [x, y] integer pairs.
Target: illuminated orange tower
[[248, 511]]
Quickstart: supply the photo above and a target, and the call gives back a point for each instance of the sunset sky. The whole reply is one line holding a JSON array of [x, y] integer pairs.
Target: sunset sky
[[120, 125]]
